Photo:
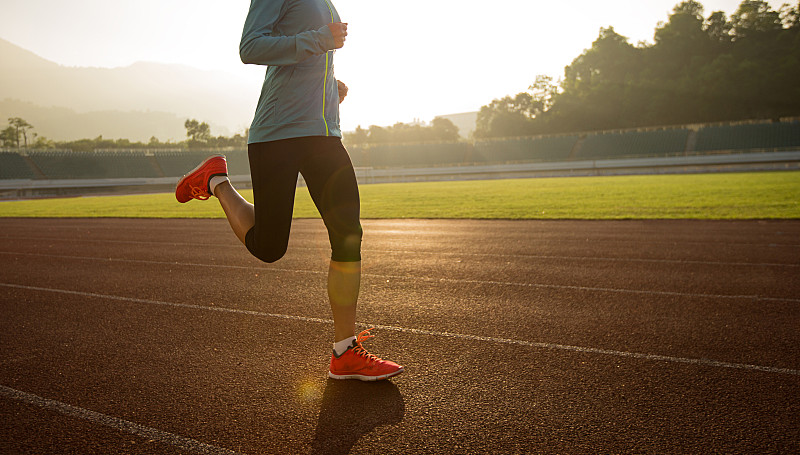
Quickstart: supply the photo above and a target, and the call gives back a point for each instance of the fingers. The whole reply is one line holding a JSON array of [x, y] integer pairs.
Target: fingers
[[342, 34], [339, 32], [342, 90], [338, 29]]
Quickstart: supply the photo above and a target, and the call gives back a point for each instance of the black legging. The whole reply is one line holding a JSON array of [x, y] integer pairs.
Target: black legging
[[331, 180]]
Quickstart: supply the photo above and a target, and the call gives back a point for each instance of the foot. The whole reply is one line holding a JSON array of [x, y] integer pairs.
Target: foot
[[357, 363], [195, 184]]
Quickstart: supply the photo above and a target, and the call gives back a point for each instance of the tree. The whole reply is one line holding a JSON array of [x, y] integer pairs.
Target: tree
[[443, 129], [790, 16], [684, 28], [609, 60], [359, 137], [508, 116], [378, 135], [42, 142], [544, 92], [440, 129], [718, 28], [199, 134], [196, 131], [680, 39], [9, 137], [697, 70], [21, 127], [754, 17]]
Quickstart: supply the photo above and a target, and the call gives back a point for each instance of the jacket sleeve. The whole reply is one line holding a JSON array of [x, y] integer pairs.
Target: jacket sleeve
[[259, 47]]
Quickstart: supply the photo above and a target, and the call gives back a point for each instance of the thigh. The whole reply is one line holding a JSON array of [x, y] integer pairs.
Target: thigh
[[331, 181], [274, 169]]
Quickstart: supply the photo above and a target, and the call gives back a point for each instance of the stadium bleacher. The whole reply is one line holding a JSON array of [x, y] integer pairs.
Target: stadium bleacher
[[543, 148], [238, 162], [419, 154], [176, 163], [633, 144], [774, 135], [64, 164], [114, 164], [13, 166], [126, 165]]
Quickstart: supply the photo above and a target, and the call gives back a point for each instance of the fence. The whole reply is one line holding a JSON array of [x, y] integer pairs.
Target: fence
[[25, 173]]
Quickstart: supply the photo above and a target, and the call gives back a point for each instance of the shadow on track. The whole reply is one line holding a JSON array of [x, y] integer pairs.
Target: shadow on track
[[351, 409]]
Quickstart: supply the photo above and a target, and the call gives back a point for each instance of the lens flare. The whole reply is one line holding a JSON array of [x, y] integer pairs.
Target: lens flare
[[308, 390]]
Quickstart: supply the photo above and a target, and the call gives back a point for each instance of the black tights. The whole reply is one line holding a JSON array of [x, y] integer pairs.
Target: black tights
[[331, 181]]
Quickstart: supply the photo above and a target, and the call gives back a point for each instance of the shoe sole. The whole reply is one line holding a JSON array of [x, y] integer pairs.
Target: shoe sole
[[197, 168], [361, 377]]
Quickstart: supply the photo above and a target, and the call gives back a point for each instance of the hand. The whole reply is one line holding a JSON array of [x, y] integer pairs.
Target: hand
[[339, 32], [342, 90]]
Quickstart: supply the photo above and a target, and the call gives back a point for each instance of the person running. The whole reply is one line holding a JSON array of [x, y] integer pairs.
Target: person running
[[296, 130]]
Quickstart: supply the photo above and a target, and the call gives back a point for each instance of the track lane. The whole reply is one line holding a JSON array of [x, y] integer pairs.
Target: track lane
[[207, 376], [159, 368], [698, 326]]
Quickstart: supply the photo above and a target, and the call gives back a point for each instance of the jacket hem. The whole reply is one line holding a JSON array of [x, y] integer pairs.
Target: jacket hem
[[268, 133]]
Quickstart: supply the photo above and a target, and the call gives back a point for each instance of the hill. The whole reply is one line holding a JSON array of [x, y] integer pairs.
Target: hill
[[63, 124], [132, 98]]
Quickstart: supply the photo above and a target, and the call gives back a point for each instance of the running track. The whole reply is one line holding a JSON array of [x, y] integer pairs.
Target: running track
[[165, 336]]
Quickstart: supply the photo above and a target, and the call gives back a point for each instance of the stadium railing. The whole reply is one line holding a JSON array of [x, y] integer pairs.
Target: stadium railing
[[162, 167], [636, 143]]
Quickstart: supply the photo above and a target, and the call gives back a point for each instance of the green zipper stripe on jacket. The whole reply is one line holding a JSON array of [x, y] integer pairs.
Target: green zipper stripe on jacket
[[325, 81]]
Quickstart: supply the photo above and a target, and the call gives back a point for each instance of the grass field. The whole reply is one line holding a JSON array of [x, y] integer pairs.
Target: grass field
[[762, 195]]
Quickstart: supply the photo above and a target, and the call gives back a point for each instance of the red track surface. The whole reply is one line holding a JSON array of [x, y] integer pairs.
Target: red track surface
[[165, 336]]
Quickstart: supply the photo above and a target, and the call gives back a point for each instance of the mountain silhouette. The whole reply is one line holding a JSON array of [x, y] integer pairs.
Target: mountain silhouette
[[75, 102]]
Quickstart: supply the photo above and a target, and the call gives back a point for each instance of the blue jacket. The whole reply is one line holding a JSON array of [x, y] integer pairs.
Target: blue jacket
[[299, 96]]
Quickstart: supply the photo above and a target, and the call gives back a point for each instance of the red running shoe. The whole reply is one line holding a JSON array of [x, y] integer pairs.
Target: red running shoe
[[357, 363], [194, 185]]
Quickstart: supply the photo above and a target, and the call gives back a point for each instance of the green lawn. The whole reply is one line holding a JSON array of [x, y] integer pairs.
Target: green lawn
[[702, 196]]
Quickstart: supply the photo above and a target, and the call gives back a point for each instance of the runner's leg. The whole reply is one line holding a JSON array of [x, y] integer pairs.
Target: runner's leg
[[240, 213], [332, 184], [274, 168]]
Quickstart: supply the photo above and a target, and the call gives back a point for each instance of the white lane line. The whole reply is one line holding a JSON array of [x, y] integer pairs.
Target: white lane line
[[183, 443], [549, 346], [379, 232], [425, 279], [232, 243], [435, 253], [596, 258]]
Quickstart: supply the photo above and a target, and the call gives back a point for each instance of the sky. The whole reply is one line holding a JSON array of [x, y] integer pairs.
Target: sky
[[413, 59]]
